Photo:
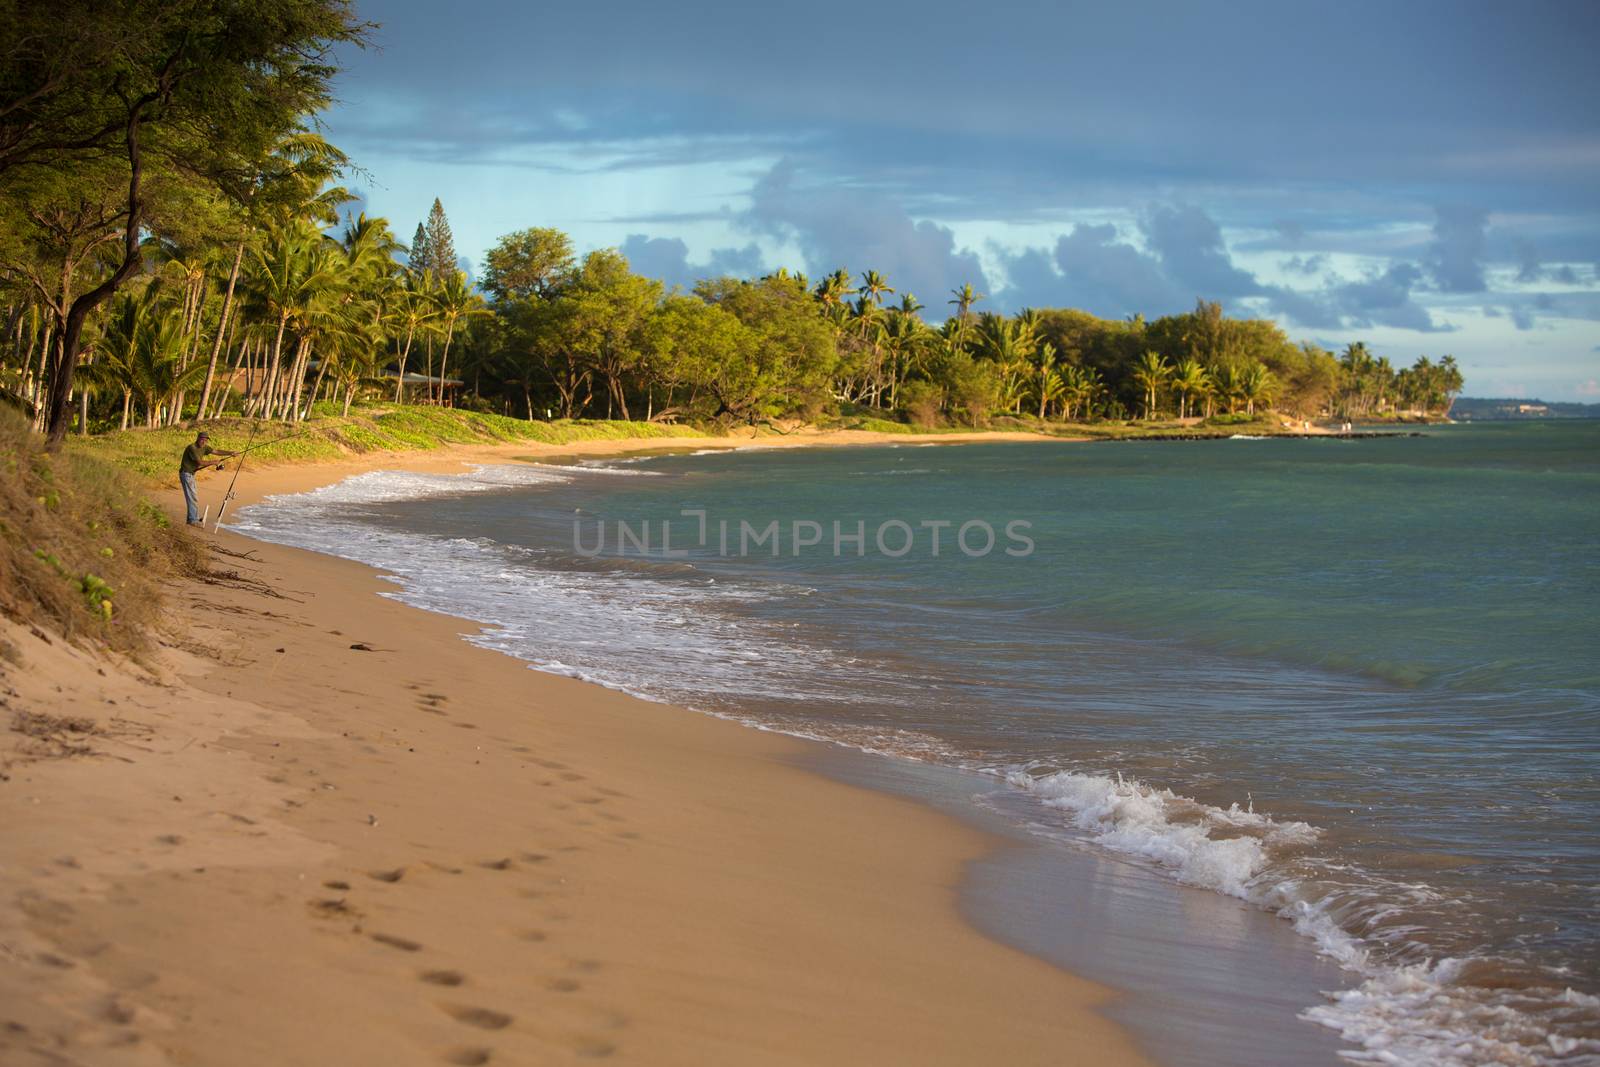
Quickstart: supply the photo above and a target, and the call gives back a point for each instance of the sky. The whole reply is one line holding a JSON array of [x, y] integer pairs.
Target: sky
[[1424, 177]]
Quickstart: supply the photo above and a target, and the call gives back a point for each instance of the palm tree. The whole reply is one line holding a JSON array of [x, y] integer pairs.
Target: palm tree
[[874, 286], [457, 303], [1080, 387], [830, 291], [1258, 387], [1047, 382], [1189, 379], [411, 310], [1010, 344], [963, 298], [1228, 384], [293, 269], [1150, 372]]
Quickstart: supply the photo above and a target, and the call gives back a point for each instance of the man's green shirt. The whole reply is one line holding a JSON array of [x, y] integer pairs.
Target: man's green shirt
[[194, 457]]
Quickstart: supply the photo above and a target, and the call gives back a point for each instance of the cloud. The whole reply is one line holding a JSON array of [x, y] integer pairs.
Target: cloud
[[667, 258], [1112, 277], [1457, 250], [837, 227], [1092, 266], [1188, 243], [1303, 264], [1380, 298], [1186, 259]]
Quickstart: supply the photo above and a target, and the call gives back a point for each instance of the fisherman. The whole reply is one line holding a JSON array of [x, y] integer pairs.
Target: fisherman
[[194, 457]]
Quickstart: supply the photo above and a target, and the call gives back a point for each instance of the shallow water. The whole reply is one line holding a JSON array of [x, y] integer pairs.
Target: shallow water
[[1349, 682]]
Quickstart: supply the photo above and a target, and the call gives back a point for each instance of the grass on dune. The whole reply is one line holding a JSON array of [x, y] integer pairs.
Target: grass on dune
[[83, 552], [388, 428]]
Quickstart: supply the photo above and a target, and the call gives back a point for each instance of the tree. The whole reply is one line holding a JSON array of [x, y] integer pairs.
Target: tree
[[441, 246], [1189, 378], [457, 304], [874, 286], [963, 298], [1150, 373], [791, 354], [1258, 387], [419, 258], [607, 308], [528, 263], [192, 91]]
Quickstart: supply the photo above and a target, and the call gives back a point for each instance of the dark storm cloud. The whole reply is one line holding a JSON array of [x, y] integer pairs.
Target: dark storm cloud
[[1449, 147], [935, 100]]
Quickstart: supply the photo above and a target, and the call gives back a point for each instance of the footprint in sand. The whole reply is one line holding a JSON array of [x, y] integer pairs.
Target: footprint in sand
[[495, 865], [331, 908], [534, 935], [404, 944], [482, 1018], [467, 1057], [446, 978], [388, 876], [563, 985]]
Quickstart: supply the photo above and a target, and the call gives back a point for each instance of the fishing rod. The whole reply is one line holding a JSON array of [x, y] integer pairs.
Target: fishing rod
[[235, 480], [249, 446]]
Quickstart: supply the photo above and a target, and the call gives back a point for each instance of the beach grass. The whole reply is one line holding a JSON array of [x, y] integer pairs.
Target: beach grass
[[83, 551]]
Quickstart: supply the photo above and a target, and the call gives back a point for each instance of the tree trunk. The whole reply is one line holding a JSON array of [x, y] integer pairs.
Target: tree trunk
[[72, 332], [322, 369], [444, 358], [295, 386], [222, 329], [400, 378], [274, 371]]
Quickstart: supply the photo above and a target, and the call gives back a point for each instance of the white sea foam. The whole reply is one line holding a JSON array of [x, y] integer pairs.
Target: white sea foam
[[1403, 1014], [375, 487], [1200, 845]]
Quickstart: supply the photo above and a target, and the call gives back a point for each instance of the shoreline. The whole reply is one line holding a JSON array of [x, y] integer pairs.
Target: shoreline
[[480, 862]]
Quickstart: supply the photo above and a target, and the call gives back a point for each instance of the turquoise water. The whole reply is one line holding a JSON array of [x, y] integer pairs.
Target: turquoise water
[[1352, 682]]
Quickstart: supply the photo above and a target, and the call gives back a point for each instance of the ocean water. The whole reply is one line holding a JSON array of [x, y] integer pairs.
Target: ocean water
[[1350, 683]]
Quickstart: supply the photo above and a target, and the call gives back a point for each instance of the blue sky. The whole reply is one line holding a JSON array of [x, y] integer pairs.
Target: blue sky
[[1421, 176]]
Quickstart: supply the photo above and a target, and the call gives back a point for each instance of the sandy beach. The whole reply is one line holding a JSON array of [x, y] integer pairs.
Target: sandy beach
[[319, 827]]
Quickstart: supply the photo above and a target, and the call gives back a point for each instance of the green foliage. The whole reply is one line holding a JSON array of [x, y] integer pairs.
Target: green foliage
[[387, 428], [440, 246], [92, 562], [528, 263]]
